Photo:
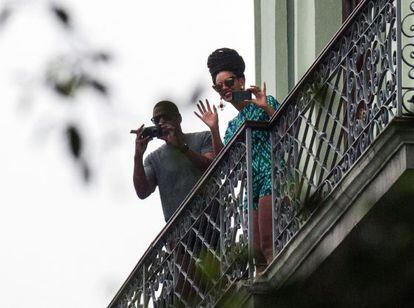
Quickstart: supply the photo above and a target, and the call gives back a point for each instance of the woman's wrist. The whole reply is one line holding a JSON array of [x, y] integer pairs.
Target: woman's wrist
[[269, 110], [215, 129]]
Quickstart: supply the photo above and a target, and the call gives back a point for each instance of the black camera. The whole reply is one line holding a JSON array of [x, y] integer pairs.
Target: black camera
[[239, 96], [152, 131]]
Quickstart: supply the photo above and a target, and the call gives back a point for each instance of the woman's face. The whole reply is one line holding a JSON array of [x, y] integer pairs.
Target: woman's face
[[226, 82]]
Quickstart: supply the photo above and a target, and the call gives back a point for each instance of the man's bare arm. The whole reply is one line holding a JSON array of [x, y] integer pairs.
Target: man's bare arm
[[143, 185]]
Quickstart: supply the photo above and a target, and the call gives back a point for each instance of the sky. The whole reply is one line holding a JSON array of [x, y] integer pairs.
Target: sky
[[65, 242]]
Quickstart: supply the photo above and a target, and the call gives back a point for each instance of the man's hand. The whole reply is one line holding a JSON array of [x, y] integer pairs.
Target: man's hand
[[171, 135], [207, 115], [140, 143], [143, 185]]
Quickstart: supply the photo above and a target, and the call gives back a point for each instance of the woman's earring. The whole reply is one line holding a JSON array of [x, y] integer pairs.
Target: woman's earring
[[222, 104]]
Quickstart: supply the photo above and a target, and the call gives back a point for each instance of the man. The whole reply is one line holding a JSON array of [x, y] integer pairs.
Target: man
[[175, 166]]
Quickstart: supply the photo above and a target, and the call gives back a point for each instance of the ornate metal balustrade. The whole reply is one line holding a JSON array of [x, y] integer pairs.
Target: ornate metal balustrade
[[361, 81], [205, 247]]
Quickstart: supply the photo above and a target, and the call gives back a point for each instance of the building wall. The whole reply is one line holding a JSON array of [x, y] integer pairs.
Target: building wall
[[289, 35]]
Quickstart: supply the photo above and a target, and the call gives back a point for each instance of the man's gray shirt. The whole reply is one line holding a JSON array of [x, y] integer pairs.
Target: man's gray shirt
[[173, 172]]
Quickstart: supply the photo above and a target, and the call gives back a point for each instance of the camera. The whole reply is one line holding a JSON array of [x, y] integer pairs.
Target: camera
[[152, 131], [239, 96]]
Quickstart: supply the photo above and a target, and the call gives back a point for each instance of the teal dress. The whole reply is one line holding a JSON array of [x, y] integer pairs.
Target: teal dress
[[261, 148]]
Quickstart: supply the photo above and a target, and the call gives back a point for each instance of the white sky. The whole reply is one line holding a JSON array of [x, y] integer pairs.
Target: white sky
[[63, 243]]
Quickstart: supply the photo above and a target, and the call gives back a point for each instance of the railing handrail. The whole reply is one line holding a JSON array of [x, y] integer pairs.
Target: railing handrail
[[240, 133]]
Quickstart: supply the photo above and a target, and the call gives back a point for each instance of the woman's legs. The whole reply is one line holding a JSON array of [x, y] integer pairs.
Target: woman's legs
[[260, 259], [262, 232], [265, 227]]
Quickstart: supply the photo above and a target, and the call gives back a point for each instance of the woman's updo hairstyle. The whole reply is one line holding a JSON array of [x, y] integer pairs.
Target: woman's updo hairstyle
[[225, 59]]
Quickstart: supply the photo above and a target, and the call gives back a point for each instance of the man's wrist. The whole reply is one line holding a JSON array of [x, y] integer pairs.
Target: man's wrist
[[184, 148], [138, 156]]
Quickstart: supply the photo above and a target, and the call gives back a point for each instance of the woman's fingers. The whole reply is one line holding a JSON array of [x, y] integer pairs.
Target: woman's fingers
[[208, 105], [203, 108], [199, 109], [199, 116], [257, 91]]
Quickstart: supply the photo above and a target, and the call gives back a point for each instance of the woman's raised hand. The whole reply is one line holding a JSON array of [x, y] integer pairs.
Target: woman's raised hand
[[261, 99], [260, 94], [207, 115]]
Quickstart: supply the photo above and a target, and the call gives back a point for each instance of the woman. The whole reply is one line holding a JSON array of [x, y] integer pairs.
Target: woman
[[226, 67]]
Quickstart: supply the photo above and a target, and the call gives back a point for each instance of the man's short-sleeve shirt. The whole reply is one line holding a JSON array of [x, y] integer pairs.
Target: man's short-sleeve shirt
[[173, 173]]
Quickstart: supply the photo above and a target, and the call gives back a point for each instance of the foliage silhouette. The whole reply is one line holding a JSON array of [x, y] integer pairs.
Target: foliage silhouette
[[68, 74]]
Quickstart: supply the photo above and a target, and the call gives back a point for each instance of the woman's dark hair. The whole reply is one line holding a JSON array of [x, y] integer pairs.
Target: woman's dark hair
[[225, 59]]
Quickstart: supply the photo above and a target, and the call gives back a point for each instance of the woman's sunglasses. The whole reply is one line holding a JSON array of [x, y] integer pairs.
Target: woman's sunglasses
[[229, 82]]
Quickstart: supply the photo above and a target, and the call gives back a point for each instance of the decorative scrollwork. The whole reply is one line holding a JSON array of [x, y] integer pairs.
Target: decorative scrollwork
[[338, 114], [407, 57], [331, 119], [205, 249]]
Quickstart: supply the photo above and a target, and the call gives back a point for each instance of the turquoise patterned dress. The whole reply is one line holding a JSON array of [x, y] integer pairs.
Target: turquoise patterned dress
[[261, 149]]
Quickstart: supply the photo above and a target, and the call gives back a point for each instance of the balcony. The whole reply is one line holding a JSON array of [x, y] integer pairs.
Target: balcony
[[342, 172]]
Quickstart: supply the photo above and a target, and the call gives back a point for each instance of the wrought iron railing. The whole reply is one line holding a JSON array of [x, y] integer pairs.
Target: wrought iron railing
[[359, 83], [205, 246]]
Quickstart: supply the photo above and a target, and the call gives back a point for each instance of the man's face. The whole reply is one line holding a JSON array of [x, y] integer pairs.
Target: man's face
[[167, 119], [161, 116]]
